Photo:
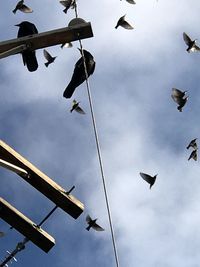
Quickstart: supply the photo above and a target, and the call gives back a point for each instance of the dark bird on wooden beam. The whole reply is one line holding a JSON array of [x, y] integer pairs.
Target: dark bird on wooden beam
[[192, 47], [193, 155], [67, 4], [28, 56], [179, 97], [148, 178], [48, 57], [76, 107], [22, 7], [79, 75], [92, 224], [123, 23], [193, 144]]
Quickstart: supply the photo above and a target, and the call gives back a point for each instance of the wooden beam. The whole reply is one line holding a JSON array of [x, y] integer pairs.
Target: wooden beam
[[42, 182], [25, 226], [12, 167], [49, 38]]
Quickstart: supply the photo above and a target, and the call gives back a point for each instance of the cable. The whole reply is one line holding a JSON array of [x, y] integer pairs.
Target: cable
[[99, 151]]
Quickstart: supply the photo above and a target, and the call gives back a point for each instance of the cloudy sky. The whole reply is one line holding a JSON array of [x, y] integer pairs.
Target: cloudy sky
[[139, 127]]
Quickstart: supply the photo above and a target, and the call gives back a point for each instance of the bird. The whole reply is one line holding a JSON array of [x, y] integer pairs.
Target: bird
[[22, 7], [192, 47], [79, 75], [28, 56], [148, 178], [2, 234], [48, 57], [192, 144], [193, 155], [67, 4], [131, 2], [179, 97], [76, 107], [123, 23], [93, 224]]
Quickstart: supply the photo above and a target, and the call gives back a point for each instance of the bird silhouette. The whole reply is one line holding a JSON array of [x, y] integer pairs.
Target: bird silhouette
[[28, 56], [79, 75], [192, 47], [22, 7], [48, 57], [92, 224], [192, 144], [76, 107], [193, 155], [123, 23], [179, 97], [67, 4], [148, 178]]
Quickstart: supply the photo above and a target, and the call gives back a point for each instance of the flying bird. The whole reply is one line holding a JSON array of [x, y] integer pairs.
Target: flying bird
[[179, 97], [28, 56], [123, 23], [22, 7], [79, 76], [192, 144], [48, 57], [76, 107], [192, 47], [193, 155], [93, 224], [148, 178], [67, 4]]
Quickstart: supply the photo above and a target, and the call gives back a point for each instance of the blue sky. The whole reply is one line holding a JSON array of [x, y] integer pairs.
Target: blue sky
[[139, 126]]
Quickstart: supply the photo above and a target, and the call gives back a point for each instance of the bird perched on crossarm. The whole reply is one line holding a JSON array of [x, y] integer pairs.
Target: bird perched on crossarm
[[22, 7], [28, 56], [148, 178], [79, 75], [92, 224]]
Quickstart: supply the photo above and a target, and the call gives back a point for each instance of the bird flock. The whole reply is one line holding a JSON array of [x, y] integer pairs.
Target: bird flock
[[85, 67]]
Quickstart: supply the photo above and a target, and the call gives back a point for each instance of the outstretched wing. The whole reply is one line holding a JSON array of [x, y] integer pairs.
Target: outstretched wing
[[97, 227], [186, 38]]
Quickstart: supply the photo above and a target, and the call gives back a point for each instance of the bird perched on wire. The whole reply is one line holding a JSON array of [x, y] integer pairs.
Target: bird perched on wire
[[67, 4], [193, 144], [123, 23], [28, 56], [148, 178], [92, 224], [76, 107], [192, 47], [179, 97], [48, 57], [79, 75], [22, 7], [193, 155]]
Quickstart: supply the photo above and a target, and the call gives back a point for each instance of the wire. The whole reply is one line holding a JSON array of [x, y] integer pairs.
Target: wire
[[99, 151]]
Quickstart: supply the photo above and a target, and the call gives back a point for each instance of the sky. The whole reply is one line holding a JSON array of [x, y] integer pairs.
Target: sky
[[139, 129]]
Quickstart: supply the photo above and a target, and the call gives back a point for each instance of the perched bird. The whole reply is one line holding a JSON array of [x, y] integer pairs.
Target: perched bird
[[192, 47], [123, 23], [48, 57], [149, 179], [67, 4], [28, 56], [22, 7], [192, 144], [79, 76], [193, 155], [93, 224], [179, 97], [76, 107], [2, 234]]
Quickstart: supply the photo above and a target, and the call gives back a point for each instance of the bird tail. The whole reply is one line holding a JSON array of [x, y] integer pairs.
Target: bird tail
[[116, 27], [88, 228], [179, 108], [46, 64], [69, 91], [187, 147], [65, 10], [14, 10], [30, 60]]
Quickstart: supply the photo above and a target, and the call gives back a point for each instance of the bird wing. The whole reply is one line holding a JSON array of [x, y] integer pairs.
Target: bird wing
[[195, 48], [146, 177], [131, 1], [97, 227], [25, 9], [88, 219], [80, 110], [66, 3], [126, 25], [178, 93], [47, 55], [186, 38]]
